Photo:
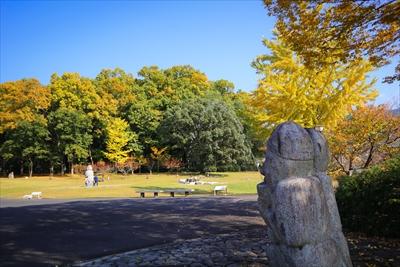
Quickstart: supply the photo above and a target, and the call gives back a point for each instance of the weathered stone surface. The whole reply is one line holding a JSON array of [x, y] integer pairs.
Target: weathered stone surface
[[334, 217], [321, 151], [277, 168], [297, 201], [301, 211], [290, 141]]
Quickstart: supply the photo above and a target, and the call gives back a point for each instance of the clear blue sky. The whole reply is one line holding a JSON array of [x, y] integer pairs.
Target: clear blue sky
[[219, 38]]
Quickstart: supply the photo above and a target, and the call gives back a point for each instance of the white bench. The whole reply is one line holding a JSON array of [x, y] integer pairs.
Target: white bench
[[33, 195], [222, 188], [36, 194]]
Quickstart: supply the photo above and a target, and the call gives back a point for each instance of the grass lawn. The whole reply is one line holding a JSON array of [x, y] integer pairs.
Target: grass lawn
[[123, 186]]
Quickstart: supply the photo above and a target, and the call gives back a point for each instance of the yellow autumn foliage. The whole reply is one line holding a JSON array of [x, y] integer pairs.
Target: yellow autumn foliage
[[118, 137], [22, 100], [292, 91]]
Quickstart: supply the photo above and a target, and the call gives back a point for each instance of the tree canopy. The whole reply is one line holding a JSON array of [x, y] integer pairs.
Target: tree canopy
[[207, 135], [291, 90], [115, 117], [349, 30], [24, 99], [369, 135]]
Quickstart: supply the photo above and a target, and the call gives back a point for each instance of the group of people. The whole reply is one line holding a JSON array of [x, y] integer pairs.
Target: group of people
[[90, 178]]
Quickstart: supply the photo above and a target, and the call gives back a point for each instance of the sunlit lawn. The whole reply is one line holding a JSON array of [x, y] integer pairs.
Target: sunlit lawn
[[124, 186]]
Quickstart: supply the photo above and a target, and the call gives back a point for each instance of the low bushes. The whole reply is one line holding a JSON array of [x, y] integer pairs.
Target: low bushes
[[369, 202]]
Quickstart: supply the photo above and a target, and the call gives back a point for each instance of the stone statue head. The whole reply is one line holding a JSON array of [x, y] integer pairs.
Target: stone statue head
[[293, 151]]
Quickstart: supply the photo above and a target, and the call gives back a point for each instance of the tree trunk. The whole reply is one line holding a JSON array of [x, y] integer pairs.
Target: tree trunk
[[30, 168], [72, 167], [350, 171], [369, 159], [51, 169], [91, 158], [21, 170], [151, 166], [62, 168]]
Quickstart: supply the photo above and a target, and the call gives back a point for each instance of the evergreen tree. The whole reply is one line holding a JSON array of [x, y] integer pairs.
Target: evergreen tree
[[206, 135]]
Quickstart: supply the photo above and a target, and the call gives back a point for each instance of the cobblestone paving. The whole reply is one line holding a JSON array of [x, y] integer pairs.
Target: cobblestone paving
[[235, 249]]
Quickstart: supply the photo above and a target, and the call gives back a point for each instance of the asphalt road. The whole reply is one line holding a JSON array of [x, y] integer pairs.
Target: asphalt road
[[58, 232]]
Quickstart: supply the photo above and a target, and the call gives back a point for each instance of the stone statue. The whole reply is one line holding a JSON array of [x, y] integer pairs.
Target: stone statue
[[89, 176], [297, 201]]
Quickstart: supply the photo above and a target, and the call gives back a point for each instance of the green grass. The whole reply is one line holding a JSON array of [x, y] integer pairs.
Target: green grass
[[123, 186]]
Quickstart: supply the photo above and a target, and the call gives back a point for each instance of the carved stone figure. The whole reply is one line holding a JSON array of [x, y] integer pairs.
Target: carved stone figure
[[297, 201], [89, 176]]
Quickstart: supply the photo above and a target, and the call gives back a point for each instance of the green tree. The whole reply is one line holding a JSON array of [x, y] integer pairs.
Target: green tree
[[252, 128], [27, 142], [187, 82], [72, 91], [117, 89], [223, 86], [76, 93], [157, 91], [71, 133], [206, 135], [369, 201]]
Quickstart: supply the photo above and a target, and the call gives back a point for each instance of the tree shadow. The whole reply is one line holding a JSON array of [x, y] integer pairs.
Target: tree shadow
[[217, 175], [69, 232], [196, 190]]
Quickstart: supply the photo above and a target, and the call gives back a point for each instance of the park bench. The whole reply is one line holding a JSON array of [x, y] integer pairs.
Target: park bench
[[178, 191], [36, 194], [155, 192], [171, 192], [32, 195], [220, 188]]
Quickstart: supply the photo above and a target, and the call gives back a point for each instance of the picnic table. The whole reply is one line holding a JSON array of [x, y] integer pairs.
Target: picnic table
[[171, 192]]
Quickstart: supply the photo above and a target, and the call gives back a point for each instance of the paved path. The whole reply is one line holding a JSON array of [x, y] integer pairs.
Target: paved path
[[239, 249], [57, 232]]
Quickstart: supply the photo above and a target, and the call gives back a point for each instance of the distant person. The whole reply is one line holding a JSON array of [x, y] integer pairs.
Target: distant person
[[11, 175], [89, 176], [96, 181]]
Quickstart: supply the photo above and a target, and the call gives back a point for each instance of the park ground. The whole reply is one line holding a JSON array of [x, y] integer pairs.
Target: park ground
[[50, 232], [72, 186], [73, 223]]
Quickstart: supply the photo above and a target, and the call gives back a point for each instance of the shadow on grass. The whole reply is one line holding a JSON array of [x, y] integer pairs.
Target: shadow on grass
[[196, 190], [217, 175], [189, 174]]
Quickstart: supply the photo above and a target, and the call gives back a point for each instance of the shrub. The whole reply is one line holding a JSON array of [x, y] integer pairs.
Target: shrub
[[369, 202]]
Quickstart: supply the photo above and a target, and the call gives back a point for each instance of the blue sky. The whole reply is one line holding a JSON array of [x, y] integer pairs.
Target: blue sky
[[219, 38]]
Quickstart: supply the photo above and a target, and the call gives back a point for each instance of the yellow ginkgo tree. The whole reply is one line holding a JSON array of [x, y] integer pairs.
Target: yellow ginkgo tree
[[290, 90], [158, 154], [120, 141]]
